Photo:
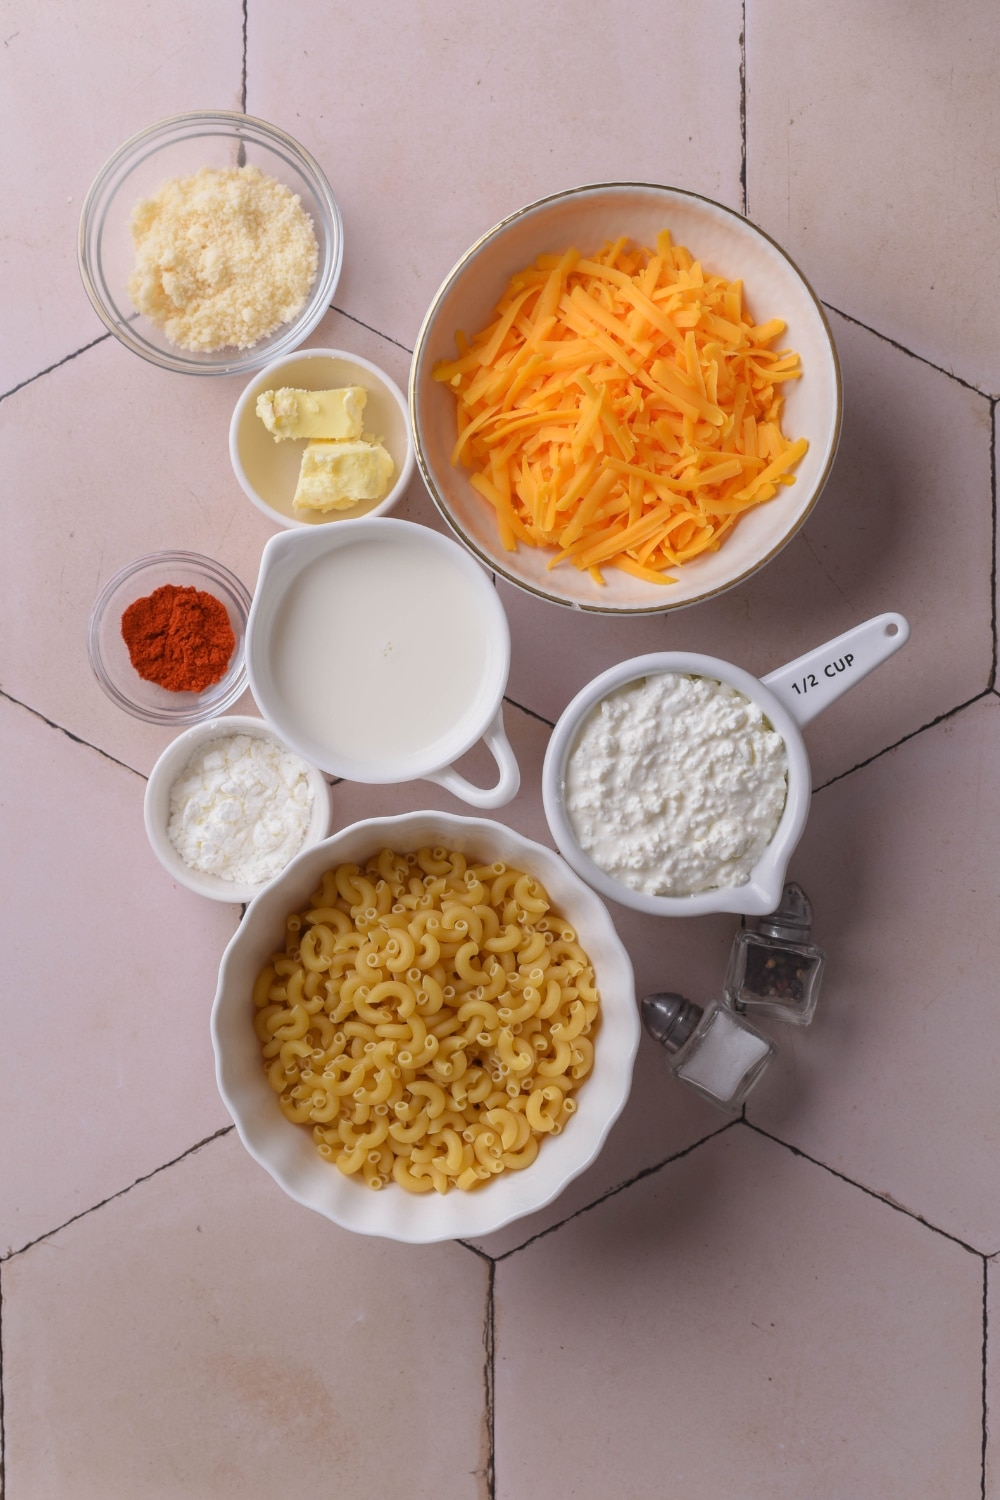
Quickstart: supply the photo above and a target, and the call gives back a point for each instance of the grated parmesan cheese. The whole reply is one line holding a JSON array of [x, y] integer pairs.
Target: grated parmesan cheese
[[222, 258]]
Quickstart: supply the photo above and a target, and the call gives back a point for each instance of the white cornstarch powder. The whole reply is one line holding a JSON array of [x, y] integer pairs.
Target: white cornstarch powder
[[240, 809], [676, 785], [723, 1057], [222, 258]]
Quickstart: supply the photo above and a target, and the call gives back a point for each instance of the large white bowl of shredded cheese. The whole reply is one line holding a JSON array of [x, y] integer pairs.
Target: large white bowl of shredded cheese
[[724, 244]]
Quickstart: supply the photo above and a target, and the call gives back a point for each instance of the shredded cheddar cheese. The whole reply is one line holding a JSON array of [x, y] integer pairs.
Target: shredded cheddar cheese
[[622, 409]]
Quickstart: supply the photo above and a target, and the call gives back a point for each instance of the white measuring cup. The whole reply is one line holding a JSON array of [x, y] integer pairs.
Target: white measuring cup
[[789, 697], [379, 650]]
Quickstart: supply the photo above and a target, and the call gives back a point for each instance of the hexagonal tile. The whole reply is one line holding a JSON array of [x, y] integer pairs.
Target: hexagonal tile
[[204, 1335], [107, 1068], [739, 1323], [895, 1082], [872, 155], [136, 459], [495, 121], [111, 78]]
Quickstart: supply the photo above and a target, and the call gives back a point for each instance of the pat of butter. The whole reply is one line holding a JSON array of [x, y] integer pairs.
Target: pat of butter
[[335, 476], [290, 413]]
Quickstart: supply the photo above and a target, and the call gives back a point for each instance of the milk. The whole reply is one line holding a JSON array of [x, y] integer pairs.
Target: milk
[[381, 650]]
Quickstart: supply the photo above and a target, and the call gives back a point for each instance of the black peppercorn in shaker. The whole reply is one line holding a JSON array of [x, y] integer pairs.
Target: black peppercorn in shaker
[[773, 969]]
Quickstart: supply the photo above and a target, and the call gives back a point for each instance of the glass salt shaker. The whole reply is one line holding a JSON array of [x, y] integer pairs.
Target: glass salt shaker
[[774, 970], [714, 1052]]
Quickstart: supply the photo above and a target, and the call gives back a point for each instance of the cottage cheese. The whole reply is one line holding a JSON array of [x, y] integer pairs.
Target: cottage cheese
[[240, 809], [676, 785]]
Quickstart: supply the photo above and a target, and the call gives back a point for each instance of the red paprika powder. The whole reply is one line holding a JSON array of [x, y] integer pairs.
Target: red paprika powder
[[179, 637]]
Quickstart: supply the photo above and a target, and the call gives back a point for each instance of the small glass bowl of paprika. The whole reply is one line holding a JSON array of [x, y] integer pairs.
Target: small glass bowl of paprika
[[166, 638]]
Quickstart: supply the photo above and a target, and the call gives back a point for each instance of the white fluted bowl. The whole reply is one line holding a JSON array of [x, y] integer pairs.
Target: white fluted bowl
[[287, 1151]]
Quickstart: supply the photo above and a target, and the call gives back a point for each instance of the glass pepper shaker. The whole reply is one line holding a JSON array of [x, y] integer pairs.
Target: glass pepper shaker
[[714, 1052], [774, 970]]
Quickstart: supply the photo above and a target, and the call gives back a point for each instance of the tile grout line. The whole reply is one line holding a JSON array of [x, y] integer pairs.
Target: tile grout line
[[489, 1377], [475, 1250], [931, 724], [389, 339], [895, 344], [743, 109], [243, 72], [993, 564], [899, 1208], [3, 1431], [376, 331], [982, 1489], [619, 1188], [76, 738], [489, 1332], [522, 708], [85, 1212], [103, 337], [89, 745], [56, 365]]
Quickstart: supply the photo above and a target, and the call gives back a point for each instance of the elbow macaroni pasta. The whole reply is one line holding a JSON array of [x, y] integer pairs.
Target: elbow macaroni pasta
[[428, 1019]]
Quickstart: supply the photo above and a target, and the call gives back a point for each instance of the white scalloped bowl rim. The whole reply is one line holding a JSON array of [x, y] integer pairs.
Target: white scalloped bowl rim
[[286, 1150]]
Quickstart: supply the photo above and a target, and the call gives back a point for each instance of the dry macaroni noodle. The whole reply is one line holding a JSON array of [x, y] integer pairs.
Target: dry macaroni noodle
[[428, 1020]]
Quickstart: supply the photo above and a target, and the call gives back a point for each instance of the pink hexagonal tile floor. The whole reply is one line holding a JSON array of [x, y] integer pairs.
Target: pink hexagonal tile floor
[[796, 1299], [724, 1293]]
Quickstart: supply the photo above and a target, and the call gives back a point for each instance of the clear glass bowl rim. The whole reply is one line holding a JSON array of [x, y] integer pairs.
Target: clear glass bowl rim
[[229, 688], [186, 126]]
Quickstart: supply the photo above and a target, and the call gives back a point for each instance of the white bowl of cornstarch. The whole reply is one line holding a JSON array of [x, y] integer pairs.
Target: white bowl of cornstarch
[[257, 1050], [228, 805]]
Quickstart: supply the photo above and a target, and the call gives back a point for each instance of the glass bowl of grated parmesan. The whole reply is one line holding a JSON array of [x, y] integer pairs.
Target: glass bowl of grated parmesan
[[211, 243]]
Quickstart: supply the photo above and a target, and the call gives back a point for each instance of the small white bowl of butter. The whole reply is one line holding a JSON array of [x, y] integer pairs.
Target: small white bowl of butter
[[325, 427], [679, 784]]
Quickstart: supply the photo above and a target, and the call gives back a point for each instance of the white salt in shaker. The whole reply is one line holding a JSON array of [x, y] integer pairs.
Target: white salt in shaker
[[713, 1051]]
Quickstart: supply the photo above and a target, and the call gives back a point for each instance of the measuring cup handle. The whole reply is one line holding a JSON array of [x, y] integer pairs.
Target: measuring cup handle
[[809, 683], [510, 776]]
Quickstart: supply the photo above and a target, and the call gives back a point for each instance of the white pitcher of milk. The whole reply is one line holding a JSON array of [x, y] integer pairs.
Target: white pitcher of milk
[[379, 650]]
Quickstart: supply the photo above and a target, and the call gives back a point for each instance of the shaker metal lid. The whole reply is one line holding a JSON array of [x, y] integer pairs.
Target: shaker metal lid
[[670, 1019], [792, 918]]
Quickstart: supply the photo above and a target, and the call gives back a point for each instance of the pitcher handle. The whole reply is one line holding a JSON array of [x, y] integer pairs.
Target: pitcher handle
[[510, 776]]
